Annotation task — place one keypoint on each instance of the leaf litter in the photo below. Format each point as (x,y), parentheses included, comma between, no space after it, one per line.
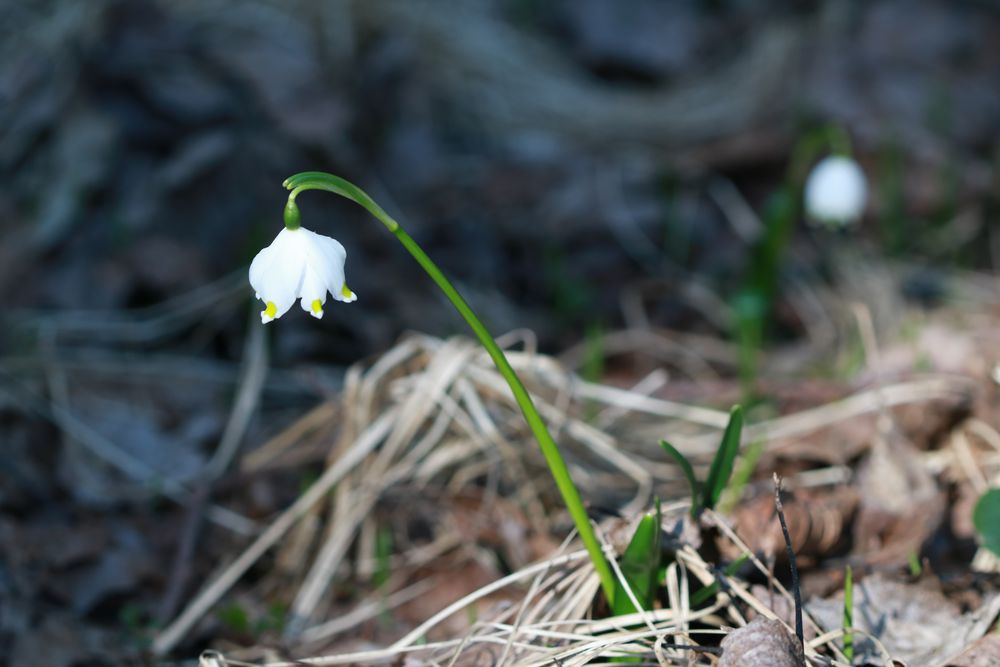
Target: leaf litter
(429,534)
(448,550)
(420,423)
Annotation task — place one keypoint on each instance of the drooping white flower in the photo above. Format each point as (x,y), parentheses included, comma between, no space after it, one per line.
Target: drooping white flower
(299,264)
(836,191)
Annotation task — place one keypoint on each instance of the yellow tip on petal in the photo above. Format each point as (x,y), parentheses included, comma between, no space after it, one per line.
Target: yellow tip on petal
(269,313)
(317,308)
(346,291)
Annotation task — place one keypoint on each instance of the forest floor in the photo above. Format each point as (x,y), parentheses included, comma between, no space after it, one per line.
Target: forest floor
(410,517)
(176,478)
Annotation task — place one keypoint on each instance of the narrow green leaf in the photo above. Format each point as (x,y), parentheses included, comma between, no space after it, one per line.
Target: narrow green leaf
(848,614)
(383,556)
(986,518)
(688,471)
(722,464)
(640,564)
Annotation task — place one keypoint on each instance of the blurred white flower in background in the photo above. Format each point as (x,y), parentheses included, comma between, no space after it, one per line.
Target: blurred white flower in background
(299,264)
(836,191)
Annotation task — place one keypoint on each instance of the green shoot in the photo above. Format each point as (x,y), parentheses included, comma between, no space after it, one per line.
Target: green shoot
(848,615)
(749,309)
(593,355)
(722,464)
(688,471)
(383,570)
(706,496)
(383,554)
(754,303)
(640,565)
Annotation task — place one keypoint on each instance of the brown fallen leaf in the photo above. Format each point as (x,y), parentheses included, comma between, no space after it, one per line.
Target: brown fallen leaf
(816,522)
(764,642)
(901,504)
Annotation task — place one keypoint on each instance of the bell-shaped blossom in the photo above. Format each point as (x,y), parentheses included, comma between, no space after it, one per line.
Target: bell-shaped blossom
(836,191)
(299,264)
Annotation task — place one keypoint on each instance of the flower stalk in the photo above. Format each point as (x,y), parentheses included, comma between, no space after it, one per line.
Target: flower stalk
(315,180)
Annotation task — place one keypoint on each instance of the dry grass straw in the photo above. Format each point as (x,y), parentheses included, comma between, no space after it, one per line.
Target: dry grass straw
(429,417)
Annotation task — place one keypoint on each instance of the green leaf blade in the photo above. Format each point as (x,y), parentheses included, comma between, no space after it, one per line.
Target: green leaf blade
(640,565)
(688,471)
(848,622)
(722,464)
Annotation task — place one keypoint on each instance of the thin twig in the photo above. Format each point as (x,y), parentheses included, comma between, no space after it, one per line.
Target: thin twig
(796,591)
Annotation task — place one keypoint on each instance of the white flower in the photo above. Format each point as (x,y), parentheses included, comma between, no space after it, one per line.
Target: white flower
(299,264)
(836,191)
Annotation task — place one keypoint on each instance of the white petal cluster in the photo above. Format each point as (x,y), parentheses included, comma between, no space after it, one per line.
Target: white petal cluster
(299,264)
(836,191)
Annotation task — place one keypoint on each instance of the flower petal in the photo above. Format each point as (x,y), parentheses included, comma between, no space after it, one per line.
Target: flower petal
(259,267)
(277,272)
(328,257)
(836,191)
(312,292)
(347,295)
(299,264)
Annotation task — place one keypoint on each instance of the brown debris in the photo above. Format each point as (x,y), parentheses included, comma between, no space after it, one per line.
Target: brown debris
(764,642)
(817,522)
(914,622)
(901,504)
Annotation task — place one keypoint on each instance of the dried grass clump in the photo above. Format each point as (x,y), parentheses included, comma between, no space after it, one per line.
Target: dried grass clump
(416,428)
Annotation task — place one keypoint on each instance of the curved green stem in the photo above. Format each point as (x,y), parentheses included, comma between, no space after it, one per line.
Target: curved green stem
(315,180)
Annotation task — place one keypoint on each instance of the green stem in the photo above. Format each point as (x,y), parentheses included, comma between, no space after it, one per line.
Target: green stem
(848,625)
(315,180)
